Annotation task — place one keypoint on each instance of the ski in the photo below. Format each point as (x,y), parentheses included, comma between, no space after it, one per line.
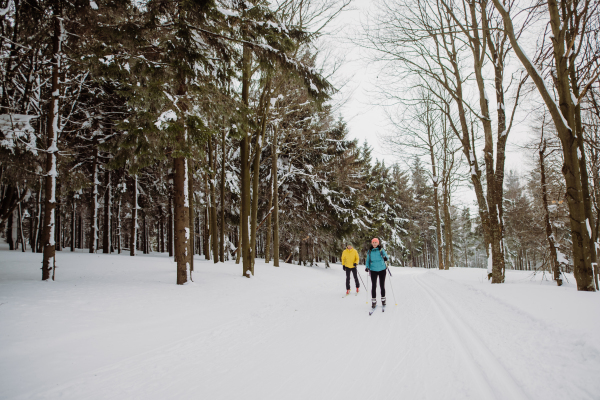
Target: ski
(346,295)
(382,308)
(373,310)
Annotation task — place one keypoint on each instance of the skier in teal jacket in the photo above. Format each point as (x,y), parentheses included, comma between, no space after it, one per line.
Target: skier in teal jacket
(376,258)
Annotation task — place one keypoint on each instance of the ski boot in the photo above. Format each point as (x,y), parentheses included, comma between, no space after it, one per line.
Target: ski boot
(373,303)
(383,301)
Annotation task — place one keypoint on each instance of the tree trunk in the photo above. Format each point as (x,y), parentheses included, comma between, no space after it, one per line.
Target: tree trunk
(106,240)
(245,223)
(222,241)
(73,222)
(191,212)
(182,230)
(58,230)
(134,224)
(49,261)
(119,227)
(275,190)
(161,228)
(214,235)
(170,225)
(94,201)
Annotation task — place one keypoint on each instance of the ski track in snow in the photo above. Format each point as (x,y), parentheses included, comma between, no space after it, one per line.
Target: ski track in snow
(124,330)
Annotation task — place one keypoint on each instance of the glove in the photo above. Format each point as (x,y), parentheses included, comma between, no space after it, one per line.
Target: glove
(367,270)
(384,258)
(355,264)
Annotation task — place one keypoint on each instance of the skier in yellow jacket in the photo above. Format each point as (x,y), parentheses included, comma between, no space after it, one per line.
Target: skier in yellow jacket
(350,261)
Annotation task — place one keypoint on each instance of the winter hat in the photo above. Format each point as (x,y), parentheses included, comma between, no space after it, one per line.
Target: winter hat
(349,244)
(375,241)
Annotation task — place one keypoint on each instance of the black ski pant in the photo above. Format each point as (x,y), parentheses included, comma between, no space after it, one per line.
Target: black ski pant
(348,277)
(374,275)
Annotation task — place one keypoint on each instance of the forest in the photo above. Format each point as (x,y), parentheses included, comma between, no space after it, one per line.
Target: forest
(212,128)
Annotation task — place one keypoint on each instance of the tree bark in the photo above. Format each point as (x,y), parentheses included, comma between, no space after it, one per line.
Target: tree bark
(73,222)
(214,232)
(222,241)
(182,230)
(106,240)
(134,224)
(245,223)
(94,201)
(191,212)
(49,261)
(275,191)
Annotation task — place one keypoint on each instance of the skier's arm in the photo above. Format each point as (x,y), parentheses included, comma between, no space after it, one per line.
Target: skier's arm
(356,259)
(384,255)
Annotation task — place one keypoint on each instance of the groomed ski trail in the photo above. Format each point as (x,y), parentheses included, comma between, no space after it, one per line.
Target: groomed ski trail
(116,329)
(489,375)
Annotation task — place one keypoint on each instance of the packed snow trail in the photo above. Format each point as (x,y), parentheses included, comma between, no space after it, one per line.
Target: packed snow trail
(116,327)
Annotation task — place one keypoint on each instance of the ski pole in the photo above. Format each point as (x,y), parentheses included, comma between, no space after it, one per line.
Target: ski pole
(363,282)
(391,285)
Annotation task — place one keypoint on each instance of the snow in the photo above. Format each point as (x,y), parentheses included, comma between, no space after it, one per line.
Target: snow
(113,326)
(490,263)
(164,118)
(93,5)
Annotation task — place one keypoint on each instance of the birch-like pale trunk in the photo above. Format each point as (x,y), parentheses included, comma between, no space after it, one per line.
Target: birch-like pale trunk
(52,128)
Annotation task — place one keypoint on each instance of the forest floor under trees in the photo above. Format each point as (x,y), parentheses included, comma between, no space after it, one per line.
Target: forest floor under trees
(117,327)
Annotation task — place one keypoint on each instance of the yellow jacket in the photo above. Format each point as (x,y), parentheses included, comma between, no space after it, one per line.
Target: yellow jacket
(349,258)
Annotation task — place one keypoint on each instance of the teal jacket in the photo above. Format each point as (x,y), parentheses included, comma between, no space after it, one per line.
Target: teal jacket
(375,259)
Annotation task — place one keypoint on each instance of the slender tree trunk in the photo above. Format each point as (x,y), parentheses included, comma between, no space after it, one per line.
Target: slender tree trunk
(134,212)
(207,231)
(214,233)
(119,227)
(161,228)
(245,223)
(21,230)
(268,227)
(222,241)
(73,222)
(49,261)
(275,191)
(191,212)
(106,240)
(94,201)
(170,225)
(548,226)
(38,222)
(58,230)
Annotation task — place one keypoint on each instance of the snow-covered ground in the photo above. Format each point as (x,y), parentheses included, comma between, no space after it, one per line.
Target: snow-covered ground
(117,327)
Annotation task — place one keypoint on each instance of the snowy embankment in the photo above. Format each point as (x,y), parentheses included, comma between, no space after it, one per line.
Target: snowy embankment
(117,327)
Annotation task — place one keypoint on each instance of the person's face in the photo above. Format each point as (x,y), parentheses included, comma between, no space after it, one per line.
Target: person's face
(349,247)
(375,242)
